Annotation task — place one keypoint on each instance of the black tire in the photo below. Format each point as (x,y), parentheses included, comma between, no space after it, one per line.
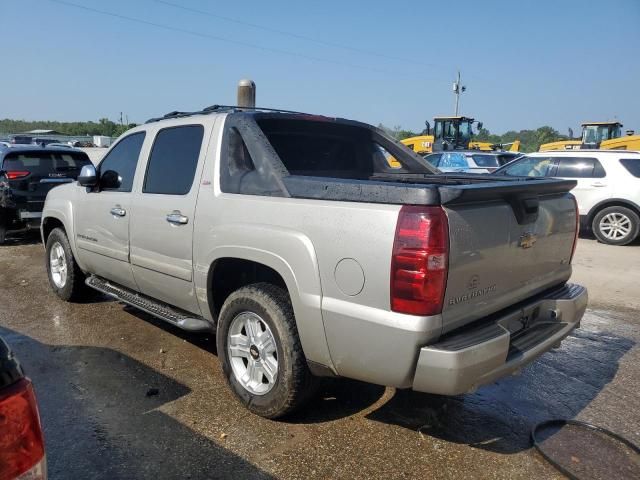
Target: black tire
(74,288)
(294,383)
(3,226)
(630,216)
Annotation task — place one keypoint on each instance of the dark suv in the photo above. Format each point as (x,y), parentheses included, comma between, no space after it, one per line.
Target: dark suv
(27,173)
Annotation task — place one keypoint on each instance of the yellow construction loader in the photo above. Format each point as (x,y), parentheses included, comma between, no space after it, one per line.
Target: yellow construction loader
(452,133)
(603,135)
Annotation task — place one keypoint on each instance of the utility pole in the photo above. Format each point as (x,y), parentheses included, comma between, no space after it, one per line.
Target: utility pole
(458,88)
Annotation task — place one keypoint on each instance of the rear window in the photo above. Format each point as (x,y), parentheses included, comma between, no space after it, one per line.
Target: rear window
(328,149)
(632,165)
(485,160)
(44,163)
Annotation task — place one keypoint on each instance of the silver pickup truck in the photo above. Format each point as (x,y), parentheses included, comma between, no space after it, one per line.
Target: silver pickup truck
(316,246)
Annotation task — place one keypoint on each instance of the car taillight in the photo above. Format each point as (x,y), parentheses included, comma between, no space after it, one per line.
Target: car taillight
(12,175)
(21,441)
(419,262)
(575,237)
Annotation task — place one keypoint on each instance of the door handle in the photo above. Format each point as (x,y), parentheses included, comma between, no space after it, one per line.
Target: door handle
(177,218)
(598,184)
(118,211)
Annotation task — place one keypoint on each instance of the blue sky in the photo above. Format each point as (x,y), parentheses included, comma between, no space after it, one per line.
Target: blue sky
(525,63)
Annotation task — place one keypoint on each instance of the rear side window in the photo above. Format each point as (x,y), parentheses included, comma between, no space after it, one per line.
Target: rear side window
(123,159)
(485,160)
(46,163)
(173,160)
(580,167)
(632,165)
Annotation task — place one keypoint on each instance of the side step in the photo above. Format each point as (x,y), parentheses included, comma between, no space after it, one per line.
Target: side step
(179,318)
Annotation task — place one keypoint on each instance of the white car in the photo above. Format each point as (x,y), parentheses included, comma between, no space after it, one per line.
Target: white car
(608,190)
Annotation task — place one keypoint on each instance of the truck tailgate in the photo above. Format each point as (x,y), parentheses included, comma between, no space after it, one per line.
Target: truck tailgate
(503,250)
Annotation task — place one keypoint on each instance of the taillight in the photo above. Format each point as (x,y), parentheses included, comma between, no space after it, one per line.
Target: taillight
(419,262)
(575,237)
(12,175)
(21,442)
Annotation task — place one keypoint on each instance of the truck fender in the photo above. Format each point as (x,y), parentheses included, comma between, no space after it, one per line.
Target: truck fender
(291,254)
(62,211)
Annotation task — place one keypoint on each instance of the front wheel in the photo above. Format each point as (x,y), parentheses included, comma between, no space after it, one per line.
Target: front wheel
(260,351)
(65,277)
(616,225)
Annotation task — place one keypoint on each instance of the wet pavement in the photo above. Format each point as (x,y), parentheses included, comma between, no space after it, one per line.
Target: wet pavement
(95,364)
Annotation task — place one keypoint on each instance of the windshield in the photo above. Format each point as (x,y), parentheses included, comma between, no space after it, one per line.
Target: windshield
(450,130)
(599,133)
(465,131)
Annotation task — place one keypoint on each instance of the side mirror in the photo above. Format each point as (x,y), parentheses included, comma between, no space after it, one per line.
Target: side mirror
(88,176)
(110,179)
(480,125)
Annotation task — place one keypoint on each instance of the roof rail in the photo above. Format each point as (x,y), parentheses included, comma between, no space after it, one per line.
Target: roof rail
(220,108)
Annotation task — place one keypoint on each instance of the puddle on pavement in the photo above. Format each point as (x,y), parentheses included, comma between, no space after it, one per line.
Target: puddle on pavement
(585,453)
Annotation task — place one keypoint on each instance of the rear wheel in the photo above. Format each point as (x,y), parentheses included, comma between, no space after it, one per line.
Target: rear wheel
(260,351)
(65,277)
(616,225)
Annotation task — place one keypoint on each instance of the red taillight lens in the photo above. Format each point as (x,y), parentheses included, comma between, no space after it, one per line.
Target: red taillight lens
(575,237)
(21,442)
(17,174)
(419,262)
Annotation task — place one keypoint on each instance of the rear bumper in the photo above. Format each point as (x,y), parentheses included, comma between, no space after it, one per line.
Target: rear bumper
(498,346)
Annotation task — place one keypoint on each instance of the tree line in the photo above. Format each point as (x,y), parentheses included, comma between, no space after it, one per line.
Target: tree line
(530,140)
(104,126)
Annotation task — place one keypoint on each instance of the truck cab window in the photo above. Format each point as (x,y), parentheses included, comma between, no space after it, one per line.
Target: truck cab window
(173,160)
(122,160)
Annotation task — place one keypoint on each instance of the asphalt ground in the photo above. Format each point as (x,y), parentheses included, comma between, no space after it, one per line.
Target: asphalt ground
(94,365)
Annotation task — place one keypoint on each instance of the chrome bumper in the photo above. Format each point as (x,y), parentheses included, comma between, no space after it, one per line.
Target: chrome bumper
(480,354)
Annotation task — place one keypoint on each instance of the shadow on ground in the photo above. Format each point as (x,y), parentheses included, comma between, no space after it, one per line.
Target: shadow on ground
(497,417)
(100,422)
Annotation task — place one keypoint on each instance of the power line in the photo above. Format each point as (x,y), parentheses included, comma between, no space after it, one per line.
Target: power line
(229,40)
(291,34)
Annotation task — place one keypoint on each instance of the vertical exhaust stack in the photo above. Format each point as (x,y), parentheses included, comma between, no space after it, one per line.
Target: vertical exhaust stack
(246,93)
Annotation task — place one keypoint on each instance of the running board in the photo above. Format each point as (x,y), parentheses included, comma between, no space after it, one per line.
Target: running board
(163,311)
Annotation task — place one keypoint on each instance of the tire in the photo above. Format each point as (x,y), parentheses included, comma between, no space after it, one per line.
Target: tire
(3,226)
(268,309)
(616,225)
(70,286)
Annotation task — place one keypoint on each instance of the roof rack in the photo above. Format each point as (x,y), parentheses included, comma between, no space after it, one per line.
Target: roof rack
(220,108)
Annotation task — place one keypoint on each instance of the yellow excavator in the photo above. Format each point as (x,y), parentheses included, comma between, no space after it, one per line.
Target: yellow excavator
(603,135)
(452,133)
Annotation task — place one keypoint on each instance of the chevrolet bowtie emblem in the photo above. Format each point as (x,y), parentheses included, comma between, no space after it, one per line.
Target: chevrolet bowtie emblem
(527,240)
